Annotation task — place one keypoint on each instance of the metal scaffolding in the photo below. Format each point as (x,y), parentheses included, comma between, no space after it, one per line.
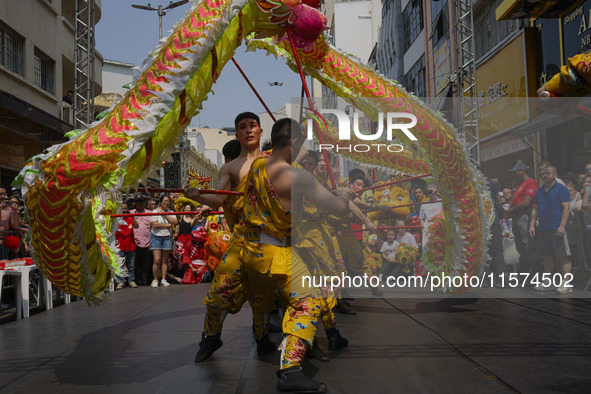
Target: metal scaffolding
(465,77)
(84,62)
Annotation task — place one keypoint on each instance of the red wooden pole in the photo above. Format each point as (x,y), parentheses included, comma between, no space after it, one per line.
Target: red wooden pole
(124,215)
(254,90)
(203,191)
(310,103)
(381,228)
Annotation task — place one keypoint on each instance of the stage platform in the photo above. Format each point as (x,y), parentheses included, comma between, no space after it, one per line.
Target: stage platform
(144,340)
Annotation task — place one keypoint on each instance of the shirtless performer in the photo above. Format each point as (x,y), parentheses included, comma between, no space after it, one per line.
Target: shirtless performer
(275,189)
(229,288)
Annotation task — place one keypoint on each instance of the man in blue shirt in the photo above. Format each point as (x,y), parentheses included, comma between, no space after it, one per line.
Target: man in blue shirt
(551,206)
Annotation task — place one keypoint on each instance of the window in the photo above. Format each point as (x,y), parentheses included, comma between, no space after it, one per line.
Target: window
(386,7)
(415,78)
(488,32)
(12,50)
(440,25)
(436,7)
(44,72)
(412,17)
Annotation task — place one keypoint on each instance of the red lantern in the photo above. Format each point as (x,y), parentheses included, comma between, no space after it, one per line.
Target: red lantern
(12,242)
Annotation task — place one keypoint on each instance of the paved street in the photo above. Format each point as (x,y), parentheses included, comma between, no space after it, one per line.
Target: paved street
(144,340)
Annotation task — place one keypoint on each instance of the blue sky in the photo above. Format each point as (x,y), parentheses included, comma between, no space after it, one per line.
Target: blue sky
(127,34)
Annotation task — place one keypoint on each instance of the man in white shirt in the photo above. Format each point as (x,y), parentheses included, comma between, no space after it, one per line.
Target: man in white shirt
(403,236)
(432,207)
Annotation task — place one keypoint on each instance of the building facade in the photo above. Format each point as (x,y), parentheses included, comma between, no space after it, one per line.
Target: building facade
(187,159)
(37,69)
(209,142)
(516,47)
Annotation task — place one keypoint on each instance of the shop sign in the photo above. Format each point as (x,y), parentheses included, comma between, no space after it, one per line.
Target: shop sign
(502,90)
(442,65)
(501,148)
(576,27)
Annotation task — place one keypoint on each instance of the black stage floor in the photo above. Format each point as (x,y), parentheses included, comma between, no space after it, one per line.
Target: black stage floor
(144,340)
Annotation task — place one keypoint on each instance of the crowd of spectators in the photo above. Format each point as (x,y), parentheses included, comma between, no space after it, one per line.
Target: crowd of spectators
(545,228)
(146,243)
(14,226)
(537,228)
(159,255)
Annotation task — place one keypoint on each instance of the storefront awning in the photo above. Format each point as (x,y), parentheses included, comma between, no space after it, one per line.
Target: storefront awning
(541,122)
(31,122)
(519,9)
(547,121)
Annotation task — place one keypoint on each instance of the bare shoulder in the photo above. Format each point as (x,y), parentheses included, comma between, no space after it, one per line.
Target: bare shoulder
(278,169)
(236,169)
(280,177)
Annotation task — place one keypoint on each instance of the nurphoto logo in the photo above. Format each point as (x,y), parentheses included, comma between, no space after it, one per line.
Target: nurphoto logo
(344,126)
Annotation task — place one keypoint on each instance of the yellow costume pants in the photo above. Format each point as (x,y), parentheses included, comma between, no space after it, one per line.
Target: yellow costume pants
(230,290)
(352,252)
(270,268)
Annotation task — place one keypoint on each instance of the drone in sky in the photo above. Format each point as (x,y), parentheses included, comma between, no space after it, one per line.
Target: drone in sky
(275,83)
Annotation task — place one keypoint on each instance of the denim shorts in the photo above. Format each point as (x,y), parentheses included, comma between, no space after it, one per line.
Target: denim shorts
(160,243)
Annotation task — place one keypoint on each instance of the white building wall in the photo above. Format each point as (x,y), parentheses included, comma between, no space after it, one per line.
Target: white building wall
(215,157)
(287,110)
(414,53)
(356,27)
(115,75)
(204,139)
(196,140)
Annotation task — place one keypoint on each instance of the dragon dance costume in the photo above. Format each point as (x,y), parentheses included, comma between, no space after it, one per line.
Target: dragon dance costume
(574,78)
(314,246)
(271,263)
(230,288)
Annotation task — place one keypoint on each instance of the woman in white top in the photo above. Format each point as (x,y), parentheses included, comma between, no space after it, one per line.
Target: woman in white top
(403,236)
(161,240)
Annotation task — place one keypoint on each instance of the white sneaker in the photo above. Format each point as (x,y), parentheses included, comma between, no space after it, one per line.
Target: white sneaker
(119,286)
(164,283)
(154,283)
(564,290)
(133,285)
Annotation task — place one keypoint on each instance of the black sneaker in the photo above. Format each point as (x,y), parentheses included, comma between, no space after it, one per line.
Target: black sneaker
(207,346)
(335,340)
(293,380)
(274,328)
(344,308)
(315,353)
(265,346)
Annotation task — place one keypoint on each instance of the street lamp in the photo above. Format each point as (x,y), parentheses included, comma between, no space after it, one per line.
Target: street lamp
(161,13)
(160,9)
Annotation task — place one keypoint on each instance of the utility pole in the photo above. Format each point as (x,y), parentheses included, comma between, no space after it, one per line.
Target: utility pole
(183,154)
(160,10)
